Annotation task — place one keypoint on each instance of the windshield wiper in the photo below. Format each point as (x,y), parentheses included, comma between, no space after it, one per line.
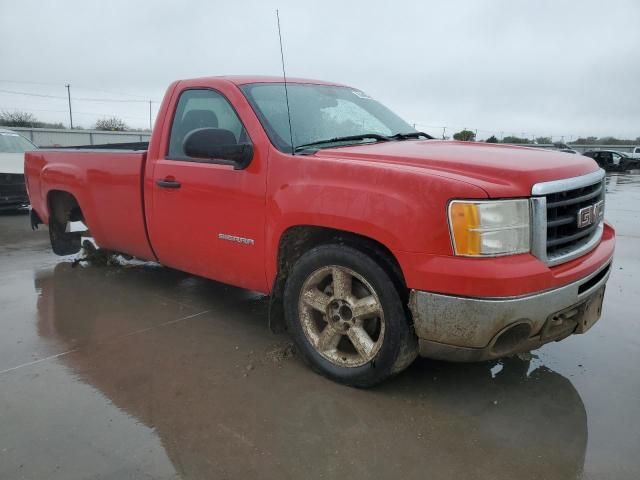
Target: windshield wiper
(375,136)
(405,136)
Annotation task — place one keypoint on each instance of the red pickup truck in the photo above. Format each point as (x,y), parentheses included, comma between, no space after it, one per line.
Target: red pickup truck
(375,242)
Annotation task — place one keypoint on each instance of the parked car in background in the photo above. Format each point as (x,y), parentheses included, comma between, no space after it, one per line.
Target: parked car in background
(13,193)
(611,160)
(635,153)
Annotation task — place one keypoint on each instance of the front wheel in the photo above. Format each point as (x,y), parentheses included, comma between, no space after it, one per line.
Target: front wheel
(346,316)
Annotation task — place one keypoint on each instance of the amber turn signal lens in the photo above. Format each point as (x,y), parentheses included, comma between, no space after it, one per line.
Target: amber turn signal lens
(465,221)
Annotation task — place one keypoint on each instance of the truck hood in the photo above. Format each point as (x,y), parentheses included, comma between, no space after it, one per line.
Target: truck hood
(12,163)
(501,170)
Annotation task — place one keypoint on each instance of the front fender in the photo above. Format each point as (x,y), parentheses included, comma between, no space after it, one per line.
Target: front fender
(404,209)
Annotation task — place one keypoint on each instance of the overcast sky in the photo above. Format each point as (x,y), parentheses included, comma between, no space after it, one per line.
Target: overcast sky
(562,68)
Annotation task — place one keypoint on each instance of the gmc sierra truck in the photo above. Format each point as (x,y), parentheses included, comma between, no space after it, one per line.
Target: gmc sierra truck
(375,242)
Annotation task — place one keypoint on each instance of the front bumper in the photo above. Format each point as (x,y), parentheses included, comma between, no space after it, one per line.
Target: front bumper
(13,191)
(474,329)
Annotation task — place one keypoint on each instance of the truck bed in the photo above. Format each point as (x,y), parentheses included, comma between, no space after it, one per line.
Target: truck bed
(107,183)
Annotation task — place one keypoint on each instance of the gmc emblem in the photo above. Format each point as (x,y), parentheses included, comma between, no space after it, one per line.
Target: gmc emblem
(591,214)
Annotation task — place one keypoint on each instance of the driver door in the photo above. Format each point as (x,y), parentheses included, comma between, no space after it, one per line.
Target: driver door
(208,219)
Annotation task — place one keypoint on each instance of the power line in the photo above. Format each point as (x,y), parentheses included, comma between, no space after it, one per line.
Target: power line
(76,86)
(84,99)
(29,82)
(37,110)
(31,94)
(112,92)
(115,100)
(88,99)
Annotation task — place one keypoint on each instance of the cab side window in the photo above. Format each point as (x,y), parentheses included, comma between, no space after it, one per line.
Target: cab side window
(201,108)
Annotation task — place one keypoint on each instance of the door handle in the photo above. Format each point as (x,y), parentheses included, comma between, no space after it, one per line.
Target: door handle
(168,183)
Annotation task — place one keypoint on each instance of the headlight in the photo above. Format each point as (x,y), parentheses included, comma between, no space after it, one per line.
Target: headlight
(490,227)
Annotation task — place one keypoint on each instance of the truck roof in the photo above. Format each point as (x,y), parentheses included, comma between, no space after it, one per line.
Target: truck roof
(245,79)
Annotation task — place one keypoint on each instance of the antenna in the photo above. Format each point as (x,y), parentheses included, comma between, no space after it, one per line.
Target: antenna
(286,92)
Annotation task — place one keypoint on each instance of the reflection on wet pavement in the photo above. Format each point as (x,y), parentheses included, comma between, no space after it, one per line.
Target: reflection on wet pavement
(117,372)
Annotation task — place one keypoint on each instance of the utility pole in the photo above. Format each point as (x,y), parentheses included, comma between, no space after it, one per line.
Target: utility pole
(444,132)
(69,97)
(150,127)
(501,136)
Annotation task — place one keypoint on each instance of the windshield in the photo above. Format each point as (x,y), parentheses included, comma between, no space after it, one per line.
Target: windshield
(14,143)
(320,112)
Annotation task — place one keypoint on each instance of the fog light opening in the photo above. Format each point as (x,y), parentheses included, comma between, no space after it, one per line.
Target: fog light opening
(509,339)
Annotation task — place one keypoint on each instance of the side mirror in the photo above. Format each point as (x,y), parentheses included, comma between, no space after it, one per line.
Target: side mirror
(218,144)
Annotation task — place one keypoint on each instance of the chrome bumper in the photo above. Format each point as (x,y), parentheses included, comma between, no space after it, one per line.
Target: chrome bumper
(474,329)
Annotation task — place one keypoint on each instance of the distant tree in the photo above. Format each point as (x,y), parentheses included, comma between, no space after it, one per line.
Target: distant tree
(17,119)
(616,141)
(513,139)
(586,141)
(24,119)
(112,124)
(492,139)
(543,140)
(465,136)
(57,125)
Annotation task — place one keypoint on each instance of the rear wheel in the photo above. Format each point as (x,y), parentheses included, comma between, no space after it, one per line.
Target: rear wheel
(63,209)
(346,316)
(63,242)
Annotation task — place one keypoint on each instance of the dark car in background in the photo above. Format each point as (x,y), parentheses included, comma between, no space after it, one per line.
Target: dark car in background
(569,150)
(612,160)
(13,193)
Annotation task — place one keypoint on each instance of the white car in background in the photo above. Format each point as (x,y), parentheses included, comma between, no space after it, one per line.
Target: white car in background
(13,193)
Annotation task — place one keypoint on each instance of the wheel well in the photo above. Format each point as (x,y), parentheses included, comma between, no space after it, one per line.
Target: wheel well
(63,207)
(297,240)
(300,239)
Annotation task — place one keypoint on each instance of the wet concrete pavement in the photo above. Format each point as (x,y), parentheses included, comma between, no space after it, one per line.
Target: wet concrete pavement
(145,372)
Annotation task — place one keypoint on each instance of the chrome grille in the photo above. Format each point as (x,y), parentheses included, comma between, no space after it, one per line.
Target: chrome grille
(563,231)
(556,205)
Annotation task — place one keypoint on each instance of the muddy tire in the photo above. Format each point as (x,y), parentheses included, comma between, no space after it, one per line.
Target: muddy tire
(346,317)
(63,243)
